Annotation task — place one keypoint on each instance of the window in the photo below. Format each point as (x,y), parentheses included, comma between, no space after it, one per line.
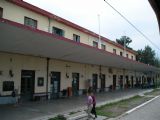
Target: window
(76,38)
(30,22)
(40,81)
(121,54)
(95,44)
(58,31)
(127,55)
(8,86)
(1,12)
(114,51)
(103,47)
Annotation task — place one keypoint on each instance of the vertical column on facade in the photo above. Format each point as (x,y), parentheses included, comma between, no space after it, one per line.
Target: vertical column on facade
(124,78)
(100,77)
(143,80)
(156,79)
(85,77)
(47,69)
(135,80)
(152,78)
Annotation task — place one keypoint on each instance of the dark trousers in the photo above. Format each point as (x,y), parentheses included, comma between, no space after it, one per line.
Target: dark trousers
(94,111)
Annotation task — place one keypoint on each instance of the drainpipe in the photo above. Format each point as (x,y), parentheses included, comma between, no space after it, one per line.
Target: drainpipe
(47,78)
(100,76)
(100,71)
(49,25)
(49,29)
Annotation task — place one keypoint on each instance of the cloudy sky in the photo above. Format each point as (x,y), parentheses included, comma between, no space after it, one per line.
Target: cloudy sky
(85,13)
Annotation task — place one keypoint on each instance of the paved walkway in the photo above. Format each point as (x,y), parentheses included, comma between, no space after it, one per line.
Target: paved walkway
(34,110)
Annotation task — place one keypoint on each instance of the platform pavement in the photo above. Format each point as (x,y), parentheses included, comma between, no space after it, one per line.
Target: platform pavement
(45,109)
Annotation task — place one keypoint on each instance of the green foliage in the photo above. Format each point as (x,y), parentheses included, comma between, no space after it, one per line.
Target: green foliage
(157,62)
(124,40)
(116,108)
(147,56)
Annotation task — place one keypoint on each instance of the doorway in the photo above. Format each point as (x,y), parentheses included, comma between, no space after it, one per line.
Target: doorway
(121,82)
(103,82)
(94,83)
(132,82)
(114,82)
(127,85)
(55,82)
(27,84)
(75,84)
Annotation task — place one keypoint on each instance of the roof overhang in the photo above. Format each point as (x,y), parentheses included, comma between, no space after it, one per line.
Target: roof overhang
(17,38)
(156,7)
(40,11)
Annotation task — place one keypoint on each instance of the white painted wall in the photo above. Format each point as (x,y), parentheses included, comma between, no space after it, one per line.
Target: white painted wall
(15,13)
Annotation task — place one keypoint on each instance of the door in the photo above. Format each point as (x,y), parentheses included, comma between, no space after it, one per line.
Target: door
(114,82)
(55,82)
(103,83)
(127,82)
(132,83)
(75,84)
(1,12)
(121,81)
(27,84)
(94,83)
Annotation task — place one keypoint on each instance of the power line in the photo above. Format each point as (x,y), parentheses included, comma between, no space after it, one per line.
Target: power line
(133,25)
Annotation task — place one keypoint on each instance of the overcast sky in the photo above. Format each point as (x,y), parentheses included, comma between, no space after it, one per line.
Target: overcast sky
(85,13)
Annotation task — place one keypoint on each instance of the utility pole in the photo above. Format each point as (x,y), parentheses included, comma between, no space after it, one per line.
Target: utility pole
(99,41)
(124,45)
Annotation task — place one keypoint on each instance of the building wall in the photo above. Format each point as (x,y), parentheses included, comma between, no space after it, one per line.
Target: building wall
(16,63)
(15,13)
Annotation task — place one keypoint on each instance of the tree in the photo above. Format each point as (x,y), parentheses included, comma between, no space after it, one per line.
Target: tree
(147,56)
(124,40)
(157,62)
(139,55)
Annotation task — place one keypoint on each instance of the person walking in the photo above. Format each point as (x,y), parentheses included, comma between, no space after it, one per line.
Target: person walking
(89,104)
(93,111)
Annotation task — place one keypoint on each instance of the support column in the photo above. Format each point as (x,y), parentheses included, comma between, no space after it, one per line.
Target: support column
(124,78)
(47,68)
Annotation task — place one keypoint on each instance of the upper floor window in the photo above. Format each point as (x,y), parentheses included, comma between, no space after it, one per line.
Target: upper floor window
(30,22)
(127,55)
(76,38)
(1,12)
(95,44)
(114,51)
(121,53)
(103,47)
(58,31)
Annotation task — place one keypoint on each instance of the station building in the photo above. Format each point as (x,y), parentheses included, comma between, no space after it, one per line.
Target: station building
(44,56)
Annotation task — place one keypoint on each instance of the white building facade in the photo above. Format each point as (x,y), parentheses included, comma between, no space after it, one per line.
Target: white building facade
(44,56)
